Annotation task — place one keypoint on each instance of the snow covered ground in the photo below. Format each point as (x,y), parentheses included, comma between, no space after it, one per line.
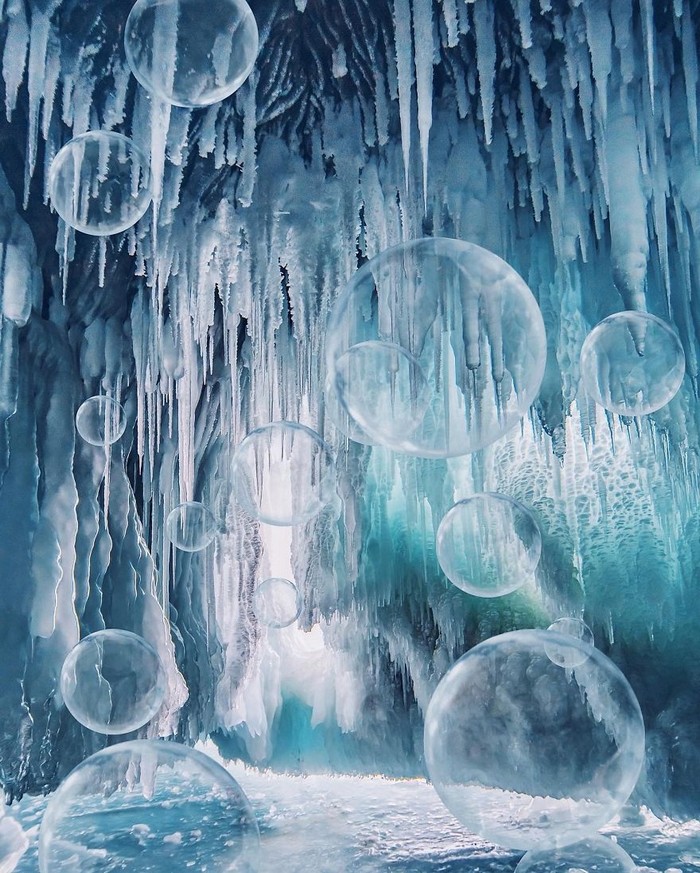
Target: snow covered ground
(333,824)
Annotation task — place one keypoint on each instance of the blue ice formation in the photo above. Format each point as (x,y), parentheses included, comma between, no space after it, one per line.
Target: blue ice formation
(563,138)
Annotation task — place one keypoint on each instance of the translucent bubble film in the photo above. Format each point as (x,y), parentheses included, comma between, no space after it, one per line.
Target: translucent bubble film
(350,434)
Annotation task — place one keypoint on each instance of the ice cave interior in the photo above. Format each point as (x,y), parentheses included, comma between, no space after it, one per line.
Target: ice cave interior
(349,435)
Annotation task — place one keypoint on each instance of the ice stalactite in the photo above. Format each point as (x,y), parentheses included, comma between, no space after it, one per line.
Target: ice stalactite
(564,137)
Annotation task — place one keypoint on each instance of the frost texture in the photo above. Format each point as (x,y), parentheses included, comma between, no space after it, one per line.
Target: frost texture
(564,138)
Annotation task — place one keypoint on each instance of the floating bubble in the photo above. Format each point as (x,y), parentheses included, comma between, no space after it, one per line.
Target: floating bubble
(277,603)
(191,527)
(632,363)
(488,545)
(464,320)
(528,755)
(283,473)
(191,52)
(100,183)
(573,627)
(372,377)
(593,855)
(151,806)
(100,420)
(113,682)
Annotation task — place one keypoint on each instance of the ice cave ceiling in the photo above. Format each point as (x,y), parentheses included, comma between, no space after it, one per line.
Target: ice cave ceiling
(561,135)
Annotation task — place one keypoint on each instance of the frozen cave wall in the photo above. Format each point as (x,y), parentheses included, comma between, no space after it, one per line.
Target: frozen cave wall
(561,135)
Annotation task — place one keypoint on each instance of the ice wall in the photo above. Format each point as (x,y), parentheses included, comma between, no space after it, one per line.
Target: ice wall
(561,135)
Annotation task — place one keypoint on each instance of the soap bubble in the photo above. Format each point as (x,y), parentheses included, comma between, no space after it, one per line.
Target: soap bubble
(191,52)
(151,806)
(488,545)
(632,363)
(100,183)
(113,682)
(593,855)
(372,377)
(283,473)
(191,527)
(473,342)
(526,754)
(276,602)
(573,627)
(100,420)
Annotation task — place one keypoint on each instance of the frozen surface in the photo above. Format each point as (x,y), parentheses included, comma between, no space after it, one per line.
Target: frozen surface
(334,824)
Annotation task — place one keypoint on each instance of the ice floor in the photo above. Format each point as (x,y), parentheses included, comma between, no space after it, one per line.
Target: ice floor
(335,824)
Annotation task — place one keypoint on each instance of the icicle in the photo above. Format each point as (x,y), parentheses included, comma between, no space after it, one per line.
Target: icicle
(486,61)
(404,68)
(599,34)
(14,57)
(525,22)
(690,70)
(38,46)
(423,50)
(627,207)
(249,150)
(647,10)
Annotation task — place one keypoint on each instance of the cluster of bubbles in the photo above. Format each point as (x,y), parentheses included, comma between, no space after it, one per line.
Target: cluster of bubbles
(184,52)
(149,805)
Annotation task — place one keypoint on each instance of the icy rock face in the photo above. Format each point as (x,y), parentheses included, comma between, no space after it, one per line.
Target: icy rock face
(561,136)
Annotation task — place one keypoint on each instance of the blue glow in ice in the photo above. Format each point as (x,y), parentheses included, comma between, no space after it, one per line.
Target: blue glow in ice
(488,545)
(150,806)
(113,682)
(529,755)
(468,326)
(191,52)
(100,183)
(632,363)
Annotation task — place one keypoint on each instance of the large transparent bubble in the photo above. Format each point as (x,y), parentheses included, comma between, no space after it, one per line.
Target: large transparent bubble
(190,526)
(191,52)
(152,807)
(100,420)
(100,183)
(113,682)
(632,363)
(488,545)
(528,754)
(277,602)
(593,855)
(283,473)
(472,343)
